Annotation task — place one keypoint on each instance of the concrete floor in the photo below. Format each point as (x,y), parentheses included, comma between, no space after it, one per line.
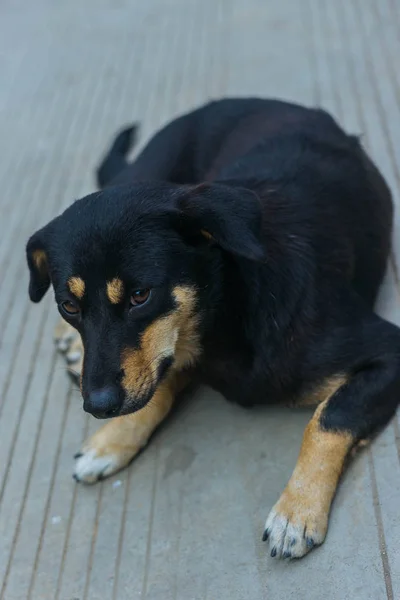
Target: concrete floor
(185,521)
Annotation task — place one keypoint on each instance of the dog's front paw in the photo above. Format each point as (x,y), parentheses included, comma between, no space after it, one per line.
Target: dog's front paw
(92,465)
(295,525)
(110,449)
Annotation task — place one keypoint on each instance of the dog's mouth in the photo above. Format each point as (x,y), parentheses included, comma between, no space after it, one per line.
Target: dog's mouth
(164,367)
(136,400)
(132,405)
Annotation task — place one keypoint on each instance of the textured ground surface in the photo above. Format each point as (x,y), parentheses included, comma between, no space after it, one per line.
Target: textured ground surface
(185,521)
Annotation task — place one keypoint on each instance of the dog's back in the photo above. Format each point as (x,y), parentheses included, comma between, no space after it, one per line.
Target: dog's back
(271,144)
(211,138)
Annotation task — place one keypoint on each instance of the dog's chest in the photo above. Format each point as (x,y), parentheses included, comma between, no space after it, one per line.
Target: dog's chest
(232,377)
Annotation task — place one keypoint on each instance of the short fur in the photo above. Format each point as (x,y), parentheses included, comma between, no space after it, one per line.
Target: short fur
(263,231)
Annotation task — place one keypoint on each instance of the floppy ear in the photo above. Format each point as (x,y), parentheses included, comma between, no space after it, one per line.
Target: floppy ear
(38,266)
(230,216)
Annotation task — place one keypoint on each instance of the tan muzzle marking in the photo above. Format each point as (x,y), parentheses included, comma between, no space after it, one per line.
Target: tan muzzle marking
(174,335)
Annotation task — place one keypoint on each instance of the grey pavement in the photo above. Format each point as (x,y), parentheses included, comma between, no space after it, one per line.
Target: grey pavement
(184,522)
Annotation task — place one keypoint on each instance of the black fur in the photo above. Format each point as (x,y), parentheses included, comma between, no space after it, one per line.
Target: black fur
(115,159)
(300,220)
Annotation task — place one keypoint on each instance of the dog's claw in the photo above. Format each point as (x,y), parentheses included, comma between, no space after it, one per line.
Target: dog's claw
(265,535)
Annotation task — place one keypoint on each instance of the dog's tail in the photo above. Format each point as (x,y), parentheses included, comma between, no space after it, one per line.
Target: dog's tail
(115,159)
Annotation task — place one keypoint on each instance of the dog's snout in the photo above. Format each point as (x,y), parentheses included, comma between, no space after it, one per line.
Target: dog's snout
(103,403)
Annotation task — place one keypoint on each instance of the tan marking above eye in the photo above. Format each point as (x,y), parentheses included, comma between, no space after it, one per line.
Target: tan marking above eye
(76,286)
(115,290)
(175,334)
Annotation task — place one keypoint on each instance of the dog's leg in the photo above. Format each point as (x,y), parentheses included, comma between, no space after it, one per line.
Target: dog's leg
(64,335)
(299,520)
(69,343)
(114,445)
(355,411)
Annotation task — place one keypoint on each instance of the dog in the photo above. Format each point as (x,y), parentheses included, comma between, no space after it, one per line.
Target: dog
(243,248)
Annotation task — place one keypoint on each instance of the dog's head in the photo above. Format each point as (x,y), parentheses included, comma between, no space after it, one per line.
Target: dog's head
(131,268)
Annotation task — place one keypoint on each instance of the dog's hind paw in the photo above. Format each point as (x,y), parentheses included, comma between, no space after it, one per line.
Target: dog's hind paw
(64,335)
(74,358)
(69,343)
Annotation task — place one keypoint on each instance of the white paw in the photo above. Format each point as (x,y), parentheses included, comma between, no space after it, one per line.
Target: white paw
(64,335)
(293,533)
(74,357)
(64,343)
(75,352)
(89,467)
(69,343)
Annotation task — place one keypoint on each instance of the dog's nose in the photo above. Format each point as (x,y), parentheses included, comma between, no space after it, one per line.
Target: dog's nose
(103,403)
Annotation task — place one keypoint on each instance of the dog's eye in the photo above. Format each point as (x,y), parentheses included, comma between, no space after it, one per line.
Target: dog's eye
(69,308)
(139,297)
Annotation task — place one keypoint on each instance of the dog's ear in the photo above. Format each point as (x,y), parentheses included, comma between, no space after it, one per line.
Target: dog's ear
(230,216)
(36,255)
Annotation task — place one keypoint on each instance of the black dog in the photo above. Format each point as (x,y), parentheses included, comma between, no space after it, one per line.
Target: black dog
(244,247)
